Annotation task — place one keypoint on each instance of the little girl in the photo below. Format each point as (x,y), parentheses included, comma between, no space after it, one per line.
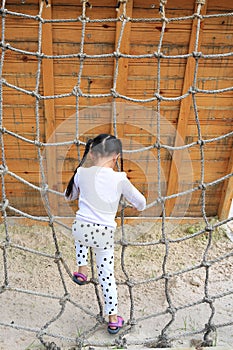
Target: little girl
(99,189)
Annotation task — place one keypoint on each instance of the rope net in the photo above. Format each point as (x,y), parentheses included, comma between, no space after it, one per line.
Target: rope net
(49,252)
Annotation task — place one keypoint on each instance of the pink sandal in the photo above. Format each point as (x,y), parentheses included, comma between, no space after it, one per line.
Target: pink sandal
(77,275)
(118,325)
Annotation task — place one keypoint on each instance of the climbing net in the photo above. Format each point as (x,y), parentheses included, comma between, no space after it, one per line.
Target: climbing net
(163,317)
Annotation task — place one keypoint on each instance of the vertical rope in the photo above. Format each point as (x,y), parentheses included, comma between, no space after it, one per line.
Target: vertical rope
(3,167)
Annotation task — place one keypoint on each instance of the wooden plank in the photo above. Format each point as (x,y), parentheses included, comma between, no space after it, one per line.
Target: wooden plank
(122,78)
(48,88)
(227,192)
(183,116)
(215,111)
(48,74)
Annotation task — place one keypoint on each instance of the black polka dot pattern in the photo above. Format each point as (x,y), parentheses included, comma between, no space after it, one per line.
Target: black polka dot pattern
(93,235)
(105,268)
(81,254)
(101,239)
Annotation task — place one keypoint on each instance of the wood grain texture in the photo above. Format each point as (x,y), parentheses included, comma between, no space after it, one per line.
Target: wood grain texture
(137,78)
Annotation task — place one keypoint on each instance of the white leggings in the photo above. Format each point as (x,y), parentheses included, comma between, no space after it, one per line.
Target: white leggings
(101,239)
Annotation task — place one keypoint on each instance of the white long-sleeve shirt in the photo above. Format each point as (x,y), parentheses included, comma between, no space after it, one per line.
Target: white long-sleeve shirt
(99,190)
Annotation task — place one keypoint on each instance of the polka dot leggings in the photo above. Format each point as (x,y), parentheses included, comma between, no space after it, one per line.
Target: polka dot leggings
(101,239)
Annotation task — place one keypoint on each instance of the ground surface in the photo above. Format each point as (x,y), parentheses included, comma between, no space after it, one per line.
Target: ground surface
(35,299)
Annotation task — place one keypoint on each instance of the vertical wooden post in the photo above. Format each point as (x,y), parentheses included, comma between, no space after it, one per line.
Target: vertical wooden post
(183,117)
(227,193)
(124,48)
(122,77)
(48,88)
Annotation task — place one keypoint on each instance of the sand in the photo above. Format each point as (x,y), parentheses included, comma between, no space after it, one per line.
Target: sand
(41,301)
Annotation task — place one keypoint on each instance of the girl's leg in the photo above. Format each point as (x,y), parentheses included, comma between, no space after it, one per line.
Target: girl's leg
(105,268)
(81,258)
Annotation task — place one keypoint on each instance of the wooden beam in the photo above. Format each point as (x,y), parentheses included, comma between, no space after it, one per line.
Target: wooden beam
(183,117)
(47,71)
(48,88)
(122,78)
(227,193)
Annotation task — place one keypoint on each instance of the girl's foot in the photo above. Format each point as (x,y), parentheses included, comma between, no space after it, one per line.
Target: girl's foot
(114,327)
(80,277)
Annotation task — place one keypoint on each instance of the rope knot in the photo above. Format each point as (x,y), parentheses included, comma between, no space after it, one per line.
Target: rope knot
(205,264)
(207,300)
(44,189)
(64,299)
(82,56)
(39,18)
(5,46)
(117,54)
(36,95)
(158,54)
(157,145)
(198,16)
(3,169)
(161,200)
(158,96)
(114,93)
(58,257)
(200,142)
(3,12)
(47,3)
(4,204)
(209,228)
(130,283)
(100,318)
(77,142)
(163,342)
(38,143)
(79,343)
(77,91)
(132,322)
(171,310)
(121,342)
(2,130)
(192,90)
(124,243)
(197,54)
(94,281)
(210,330)
(119,4)
(164,19)
(202,187)
(87,3)
(51,221)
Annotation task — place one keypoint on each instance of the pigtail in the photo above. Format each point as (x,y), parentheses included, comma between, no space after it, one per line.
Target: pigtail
(69,188)
(122,161)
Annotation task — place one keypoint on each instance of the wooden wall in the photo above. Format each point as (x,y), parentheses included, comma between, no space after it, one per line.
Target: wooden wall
(137,78)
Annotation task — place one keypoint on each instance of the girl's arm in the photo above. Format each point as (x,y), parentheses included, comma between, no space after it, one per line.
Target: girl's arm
(132,195)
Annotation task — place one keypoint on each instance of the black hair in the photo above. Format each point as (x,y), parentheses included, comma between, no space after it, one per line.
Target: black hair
(103,145)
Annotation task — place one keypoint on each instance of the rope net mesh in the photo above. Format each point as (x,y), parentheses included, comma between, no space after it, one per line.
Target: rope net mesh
(50,248)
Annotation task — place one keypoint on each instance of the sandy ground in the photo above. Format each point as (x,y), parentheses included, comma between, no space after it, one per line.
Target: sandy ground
(37,299)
